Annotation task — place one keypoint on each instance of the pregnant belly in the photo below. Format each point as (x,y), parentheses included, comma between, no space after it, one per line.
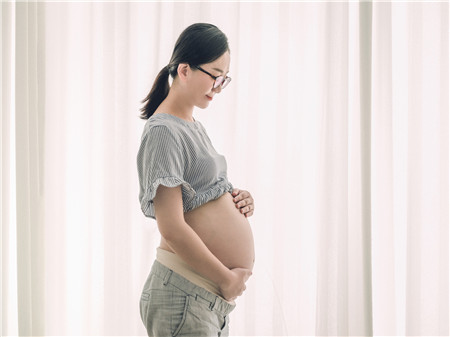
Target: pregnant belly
(224,230)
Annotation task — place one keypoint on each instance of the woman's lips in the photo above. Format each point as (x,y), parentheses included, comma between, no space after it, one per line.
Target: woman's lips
(210,98)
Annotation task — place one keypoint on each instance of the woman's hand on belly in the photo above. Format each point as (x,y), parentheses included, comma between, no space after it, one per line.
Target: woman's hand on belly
(234,285)
(243,201)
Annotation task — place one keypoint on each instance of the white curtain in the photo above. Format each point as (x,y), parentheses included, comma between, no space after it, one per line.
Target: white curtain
(336,120)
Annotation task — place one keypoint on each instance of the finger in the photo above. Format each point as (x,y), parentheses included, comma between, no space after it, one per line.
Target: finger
(237,198)
(242,194)
(235,191)
(242,203)
(245,194)
(246,209)
(245,201)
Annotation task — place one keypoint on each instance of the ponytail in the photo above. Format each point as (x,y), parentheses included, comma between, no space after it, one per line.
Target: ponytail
(159,92)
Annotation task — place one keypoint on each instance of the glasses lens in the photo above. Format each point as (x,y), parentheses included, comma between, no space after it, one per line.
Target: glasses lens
(222,81)
(218,81)
(226,82)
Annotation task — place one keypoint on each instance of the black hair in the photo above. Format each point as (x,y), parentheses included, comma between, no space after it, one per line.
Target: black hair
(198,44)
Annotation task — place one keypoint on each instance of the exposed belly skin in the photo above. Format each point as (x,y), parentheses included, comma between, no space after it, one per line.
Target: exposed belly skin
(224,230)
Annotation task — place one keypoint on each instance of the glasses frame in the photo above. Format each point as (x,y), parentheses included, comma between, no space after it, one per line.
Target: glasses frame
(226,79)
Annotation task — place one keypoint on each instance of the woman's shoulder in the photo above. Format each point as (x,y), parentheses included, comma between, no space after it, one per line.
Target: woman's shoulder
(174,122)
(162,119)
(165,124)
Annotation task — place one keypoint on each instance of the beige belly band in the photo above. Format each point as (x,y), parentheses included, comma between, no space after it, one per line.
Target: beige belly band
(174,262)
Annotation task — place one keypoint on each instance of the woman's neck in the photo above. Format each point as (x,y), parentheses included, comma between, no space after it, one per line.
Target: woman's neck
(173,104)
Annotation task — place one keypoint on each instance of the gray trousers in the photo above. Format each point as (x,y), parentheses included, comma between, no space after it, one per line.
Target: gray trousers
(171,305)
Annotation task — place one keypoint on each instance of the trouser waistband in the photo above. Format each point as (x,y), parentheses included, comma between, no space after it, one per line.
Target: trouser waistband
(169,276)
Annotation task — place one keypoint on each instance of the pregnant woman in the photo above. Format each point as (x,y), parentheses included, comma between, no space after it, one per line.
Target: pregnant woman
(206,252)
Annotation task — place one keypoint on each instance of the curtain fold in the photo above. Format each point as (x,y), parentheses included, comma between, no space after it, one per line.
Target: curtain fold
(336,121)
(427,223)
(23,265)
(344,291)
(29,153)
(8,321)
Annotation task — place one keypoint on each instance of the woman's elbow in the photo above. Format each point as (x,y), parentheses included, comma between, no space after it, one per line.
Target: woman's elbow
(170,230)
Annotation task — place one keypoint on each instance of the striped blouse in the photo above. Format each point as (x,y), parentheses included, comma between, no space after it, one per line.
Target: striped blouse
(176,152)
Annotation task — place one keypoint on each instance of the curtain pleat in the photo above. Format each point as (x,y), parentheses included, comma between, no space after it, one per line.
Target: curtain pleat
(8,293)
(29,154)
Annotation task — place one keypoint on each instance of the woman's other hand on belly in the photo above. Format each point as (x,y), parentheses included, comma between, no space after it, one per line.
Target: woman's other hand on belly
(243,201)
(234,285)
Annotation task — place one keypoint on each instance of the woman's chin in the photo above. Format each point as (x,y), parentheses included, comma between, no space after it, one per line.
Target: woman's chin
(203,105)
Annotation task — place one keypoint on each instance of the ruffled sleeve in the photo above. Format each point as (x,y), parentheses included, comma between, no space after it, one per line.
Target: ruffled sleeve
(161,161)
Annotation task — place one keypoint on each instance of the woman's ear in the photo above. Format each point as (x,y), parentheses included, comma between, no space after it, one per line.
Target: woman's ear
(183,71)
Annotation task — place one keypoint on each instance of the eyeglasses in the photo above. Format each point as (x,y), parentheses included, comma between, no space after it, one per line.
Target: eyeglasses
(219,80)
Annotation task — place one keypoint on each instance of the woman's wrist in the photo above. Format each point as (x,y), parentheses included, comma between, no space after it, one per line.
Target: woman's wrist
(224,278)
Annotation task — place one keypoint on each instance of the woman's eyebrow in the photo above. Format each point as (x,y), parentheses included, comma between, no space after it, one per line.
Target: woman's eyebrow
(220,70)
